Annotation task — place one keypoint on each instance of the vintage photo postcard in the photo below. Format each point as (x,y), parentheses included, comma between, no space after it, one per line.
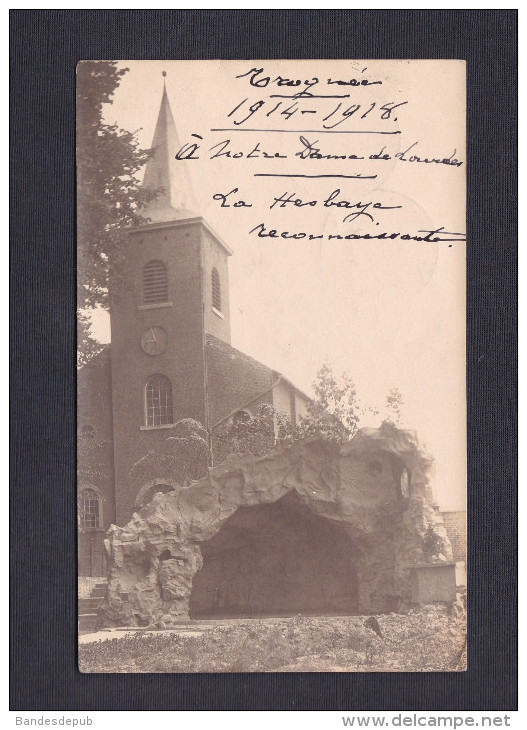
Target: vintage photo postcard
(271,381)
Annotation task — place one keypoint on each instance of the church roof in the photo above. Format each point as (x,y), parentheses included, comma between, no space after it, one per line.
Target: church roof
(237,381)
(220,350)
(176,200)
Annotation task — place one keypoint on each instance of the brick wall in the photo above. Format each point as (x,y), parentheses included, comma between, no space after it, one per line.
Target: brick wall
(178,245)
(215,256)
(94,395)
(95,458)
(456,527)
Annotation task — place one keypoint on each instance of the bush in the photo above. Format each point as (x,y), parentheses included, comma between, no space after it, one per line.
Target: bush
(431,639)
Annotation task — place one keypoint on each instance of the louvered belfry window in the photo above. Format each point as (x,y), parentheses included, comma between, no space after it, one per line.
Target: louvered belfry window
(158,401)
(216,290)
(155,283)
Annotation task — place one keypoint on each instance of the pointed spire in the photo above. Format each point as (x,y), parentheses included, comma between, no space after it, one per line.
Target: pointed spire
(176,201)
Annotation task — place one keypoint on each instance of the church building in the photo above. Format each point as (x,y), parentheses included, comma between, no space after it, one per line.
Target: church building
(170,356)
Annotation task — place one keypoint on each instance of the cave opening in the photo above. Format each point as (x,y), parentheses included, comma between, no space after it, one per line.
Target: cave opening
(277,559)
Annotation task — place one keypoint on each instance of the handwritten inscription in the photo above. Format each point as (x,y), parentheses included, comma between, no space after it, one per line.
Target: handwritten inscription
(334,199)
(309,149)
(358,129)
(258,78)
(338,114)
(436,236)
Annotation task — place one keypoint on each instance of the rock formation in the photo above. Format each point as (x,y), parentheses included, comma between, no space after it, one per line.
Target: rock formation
(315,527)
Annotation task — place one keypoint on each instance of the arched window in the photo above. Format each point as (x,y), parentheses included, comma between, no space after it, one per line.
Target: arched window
(155,283)
(216,290)
(90,509)
(158,401)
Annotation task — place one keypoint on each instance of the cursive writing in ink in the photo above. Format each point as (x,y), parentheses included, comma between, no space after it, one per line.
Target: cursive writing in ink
(224,204)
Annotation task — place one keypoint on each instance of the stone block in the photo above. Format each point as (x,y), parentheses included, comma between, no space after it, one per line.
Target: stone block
(434,583)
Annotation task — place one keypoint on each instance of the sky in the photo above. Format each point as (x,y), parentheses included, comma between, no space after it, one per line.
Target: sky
(390,313)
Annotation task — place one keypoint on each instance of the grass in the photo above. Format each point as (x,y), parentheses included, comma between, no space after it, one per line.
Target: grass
(429,639)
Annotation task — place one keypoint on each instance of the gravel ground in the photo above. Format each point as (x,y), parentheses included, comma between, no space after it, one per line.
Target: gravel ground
(432,638)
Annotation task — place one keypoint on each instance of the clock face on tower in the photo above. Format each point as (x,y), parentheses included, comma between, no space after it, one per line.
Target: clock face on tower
(154,340)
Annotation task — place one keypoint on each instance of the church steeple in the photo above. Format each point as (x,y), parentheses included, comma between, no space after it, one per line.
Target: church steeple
(176,201)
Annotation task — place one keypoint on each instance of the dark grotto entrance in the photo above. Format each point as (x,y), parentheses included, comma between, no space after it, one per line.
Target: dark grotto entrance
(276,559)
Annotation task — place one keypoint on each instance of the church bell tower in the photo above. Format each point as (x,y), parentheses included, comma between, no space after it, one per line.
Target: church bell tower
(173,289)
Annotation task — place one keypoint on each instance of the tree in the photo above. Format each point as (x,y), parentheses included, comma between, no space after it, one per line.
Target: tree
(394,402)
(181,458)
(253,434)
(333,414)
(108,192)
(335,411)
(88,346)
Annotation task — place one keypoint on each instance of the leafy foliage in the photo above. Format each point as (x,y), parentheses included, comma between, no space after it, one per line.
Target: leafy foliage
(253,434)
(108,192)
(333,414)
(429,639)
(182,457)
(432,543)
(338,398)
(394,402)
(89,347)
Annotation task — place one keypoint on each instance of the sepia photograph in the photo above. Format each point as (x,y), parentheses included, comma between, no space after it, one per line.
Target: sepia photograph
(271,307)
